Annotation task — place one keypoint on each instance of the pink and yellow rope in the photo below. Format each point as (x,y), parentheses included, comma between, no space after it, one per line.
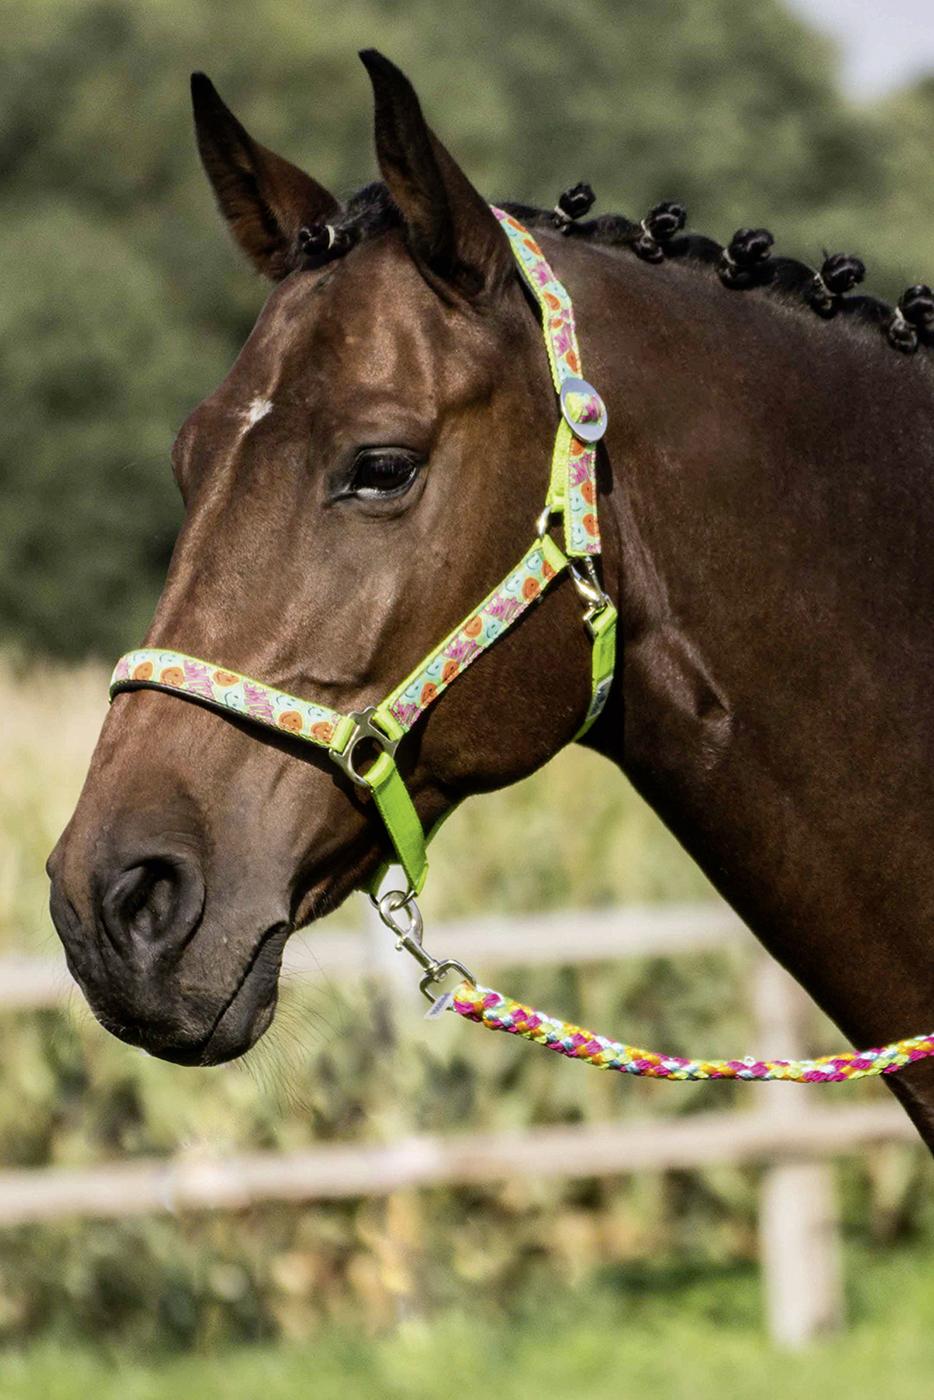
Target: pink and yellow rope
(499,1013)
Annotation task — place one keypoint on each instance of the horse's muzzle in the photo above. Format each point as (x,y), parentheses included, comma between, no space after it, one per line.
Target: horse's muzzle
(155,970)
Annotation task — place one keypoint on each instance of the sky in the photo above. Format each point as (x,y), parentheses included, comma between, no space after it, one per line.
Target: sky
(883,43)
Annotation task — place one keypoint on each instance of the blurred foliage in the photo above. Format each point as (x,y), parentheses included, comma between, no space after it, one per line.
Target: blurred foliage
(122,304)
(361,1066)
(657,1334)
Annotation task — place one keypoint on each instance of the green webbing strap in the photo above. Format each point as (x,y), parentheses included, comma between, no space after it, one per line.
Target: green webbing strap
(401,820)
(602,663)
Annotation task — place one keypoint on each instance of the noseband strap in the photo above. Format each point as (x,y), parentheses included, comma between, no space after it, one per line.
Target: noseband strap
(350,739)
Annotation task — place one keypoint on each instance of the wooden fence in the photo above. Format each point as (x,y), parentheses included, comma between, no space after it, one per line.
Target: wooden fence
(787,1129)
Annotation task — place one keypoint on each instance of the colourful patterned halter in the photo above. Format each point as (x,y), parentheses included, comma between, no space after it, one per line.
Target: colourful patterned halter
(572,496)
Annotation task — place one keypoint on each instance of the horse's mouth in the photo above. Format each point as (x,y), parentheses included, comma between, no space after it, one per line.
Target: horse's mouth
(243,1017)
(249,1010)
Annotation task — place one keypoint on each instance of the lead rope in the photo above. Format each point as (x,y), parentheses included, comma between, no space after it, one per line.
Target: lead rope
(501,1013)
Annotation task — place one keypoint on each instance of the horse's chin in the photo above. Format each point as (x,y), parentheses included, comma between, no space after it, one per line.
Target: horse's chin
(234,1034)
(249,1012)
(188,1028)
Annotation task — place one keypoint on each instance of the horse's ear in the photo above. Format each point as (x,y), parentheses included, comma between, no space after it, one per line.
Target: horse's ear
(265,199)
(451,232)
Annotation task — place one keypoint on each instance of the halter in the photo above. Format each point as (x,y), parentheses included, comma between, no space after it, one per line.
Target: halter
(572,496)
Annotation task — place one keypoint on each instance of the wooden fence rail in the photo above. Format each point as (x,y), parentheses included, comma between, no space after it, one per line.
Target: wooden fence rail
(786,1128)
(579,937)
(201,1181)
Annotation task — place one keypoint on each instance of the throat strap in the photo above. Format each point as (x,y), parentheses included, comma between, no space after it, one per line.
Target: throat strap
(349,739)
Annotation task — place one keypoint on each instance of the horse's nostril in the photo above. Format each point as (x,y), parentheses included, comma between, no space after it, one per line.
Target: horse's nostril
(153,904)
(146,898)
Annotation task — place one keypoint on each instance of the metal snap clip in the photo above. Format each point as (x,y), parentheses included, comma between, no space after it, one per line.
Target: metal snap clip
(408,933)
(589,589)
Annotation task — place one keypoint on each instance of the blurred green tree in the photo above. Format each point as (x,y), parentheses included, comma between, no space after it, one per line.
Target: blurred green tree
(121,304)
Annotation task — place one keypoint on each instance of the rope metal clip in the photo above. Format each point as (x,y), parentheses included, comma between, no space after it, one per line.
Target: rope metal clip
(408,934)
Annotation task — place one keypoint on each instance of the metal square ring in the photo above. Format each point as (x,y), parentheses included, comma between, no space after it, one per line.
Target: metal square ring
(364,728)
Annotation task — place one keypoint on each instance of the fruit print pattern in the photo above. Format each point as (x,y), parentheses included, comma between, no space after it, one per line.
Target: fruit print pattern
(497,613)
(579,496)
(224,690)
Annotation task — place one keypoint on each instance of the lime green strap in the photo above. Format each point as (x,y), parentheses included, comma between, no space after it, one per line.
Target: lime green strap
(602,664)
(400,818)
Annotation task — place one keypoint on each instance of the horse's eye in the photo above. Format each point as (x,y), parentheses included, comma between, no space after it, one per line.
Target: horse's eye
(383,471)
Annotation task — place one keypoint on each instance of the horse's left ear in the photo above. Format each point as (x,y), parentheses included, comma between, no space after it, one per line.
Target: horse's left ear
(451,232)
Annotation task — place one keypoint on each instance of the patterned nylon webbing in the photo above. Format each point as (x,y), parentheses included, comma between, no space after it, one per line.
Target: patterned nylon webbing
(573,488)
(157,668)
(495,615)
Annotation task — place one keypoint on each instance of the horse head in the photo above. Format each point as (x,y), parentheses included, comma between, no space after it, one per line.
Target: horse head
(370,467)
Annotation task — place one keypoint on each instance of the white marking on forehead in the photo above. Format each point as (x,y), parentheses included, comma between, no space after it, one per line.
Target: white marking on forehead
(257,409)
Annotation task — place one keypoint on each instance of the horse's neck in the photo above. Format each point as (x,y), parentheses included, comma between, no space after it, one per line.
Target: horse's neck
(769,526)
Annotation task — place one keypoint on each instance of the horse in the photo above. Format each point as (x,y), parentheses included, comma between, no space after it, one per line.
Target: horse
(374,462)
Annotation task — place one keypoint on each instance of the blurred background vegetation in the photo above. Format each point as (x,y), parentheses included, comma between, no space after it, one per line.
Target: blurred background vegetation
(123,302)
(121,305)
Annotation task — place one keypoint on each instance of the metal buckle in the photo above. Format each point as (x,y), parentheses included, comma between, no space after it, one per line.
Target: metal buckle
(364,728)
(589,589)
(587,432)
(409,939)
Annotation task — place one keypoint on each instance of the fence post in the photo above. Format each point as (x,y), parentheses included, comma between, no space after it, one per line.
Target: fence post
(394,1247)
(798,1237)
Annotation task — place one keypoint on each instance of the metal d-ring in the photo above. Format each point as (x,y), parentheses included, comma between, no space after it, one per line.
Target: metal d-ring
(364,728)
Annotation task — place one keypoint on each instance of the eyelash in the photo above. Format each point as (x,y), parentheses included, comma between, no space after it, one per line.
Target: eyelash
(385,462)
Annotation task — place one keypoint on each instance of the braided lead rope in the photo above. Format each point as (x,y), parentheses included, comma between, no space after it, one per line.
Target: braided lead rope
(499,1013)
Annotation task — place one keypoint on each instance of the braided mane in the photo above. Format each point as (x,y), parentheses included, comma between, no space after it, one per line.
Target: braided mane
(745,263)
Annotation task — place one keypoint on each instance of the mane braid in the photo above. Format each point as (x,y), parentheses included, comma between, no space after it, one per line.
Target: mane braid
(745,264)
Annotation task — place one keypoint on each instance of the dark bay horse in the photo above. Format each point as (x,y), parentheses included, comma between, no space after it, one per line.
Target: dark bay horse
(371,467)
